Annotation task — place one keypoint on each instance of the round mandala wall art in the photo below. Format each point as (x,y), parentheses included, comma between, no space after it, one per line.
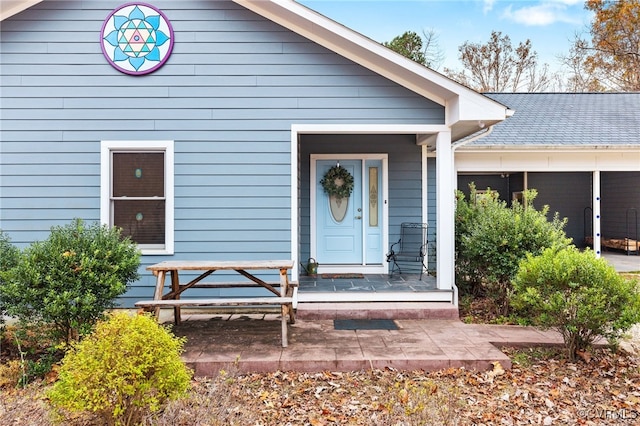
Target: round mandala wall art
(136,38)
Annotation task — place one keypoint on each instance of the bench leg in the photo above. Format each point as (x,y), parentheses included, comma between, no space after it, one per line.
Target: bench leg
(157,295)
(175,286)
(292,315)
(283,311)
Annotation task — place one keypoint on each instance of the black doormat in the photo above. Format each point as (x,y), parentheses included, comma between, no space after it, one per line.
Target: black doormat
(364,324)
(339,276)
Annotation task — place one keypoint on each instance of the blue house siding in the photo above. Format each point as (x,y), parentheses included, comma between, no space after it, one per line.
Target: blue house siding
(43,181)
(227,97)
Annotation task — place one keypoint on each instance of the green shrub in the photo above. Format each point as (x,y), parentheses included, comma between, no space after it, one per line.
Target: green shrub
(127,367)
(70,279)
(468,280)
(577,294)
(9,255)
(492,239)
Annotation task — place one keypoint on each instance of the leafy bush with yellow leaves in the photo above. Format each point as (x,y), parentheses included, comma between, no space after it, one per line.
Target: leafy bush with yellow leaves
(129,366)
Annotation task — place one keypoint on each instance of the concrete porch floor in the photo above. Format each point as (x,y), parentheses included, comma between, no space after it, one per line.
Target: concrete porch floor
(622,262)
(371,283)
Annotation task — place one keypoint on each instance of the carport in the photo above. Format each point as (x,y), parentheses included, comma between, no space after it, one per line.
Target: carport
(580,151)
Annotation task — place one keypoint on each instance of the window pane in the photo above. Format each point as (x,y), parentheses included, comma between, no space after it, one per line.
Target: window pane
(138,174)
(373,196)
(142,220)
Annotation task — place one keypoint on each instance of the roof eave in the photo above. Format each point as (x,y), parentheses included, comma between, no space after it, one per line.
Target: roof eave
(8,8)
(530,148)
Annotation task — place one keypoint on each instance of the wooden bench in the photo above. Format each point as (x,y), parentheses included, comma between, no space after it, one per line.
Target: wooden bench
(245,284)
(286,304)
(221,301)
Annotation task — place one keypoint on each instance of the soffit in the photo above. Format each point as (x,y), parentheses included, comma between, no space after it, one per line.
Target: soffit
(9,8)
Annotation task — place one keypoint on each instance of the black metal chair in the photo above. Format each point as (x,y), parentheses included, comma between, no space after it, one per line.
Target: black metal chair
(411,247)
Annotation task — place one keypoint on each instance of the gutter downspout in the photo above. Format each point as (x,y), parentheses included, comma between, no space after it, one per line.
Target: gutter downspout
(454,146)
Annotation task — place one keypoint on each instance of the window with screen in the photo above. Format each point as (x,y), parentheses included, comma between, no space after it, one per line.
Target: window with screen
(140,194)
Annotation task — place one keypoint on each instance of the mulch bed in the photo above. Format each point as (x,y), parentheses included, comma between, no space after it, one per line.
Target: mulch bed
(541,388)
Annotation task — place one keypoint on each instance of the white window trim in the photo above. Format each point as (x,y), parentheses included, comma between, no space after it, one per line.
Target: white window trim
(105,185)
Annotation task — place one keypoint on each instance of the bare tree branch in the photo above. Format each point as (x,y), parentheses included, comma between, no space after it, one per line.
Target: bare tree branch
(497,67)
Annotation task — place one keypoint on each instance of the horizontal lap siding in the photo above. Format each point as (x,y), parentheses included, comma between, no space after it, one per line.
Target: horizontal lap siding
(234,85)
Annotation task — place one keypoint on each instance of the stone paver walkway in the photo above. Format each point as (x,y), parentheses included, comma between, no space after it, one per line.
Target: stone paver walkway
(429,335)
(251,343)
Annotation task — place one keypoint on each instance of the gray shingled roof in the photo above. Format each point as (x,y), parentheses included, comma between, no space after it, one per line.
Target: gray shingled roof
(566,119)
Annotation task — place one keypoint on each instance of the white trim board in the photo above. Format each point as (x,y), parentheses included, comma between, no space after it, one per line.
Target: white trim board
(106,146)
(345,296)
(547,161)
(381,268)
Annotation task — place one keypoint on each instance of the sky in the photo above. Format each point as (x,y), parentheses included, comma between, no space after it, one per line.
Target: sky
(549,24)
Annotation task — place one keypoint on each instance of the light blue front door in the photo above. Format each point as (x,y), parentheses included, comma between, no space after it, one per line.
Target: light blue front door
(351,234)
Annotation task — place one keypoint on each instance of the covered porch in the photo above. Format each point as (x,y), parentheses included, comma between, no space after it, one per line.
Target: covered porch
(413,169)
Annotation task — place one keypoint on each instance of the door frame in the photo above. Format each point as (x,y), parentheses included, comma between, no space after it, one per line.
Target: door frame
(377,268)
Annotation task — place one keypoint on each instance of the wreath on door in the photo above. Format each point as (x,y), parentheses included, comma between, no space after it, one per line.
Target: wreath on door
(337,182)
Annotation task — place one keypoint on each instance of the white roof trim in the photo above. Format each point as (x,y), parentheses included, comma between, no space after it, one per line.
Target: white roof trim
(9,8)
(462,103)
(547,147)
(427,129)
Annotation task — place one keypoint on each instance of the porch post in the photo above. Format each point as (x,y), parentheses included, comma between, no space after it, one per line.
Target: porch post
(596,231)
(445,211)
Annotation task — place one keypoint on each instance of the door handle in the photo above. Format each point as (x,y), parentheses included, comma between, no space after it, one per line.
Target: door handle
(358,217)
